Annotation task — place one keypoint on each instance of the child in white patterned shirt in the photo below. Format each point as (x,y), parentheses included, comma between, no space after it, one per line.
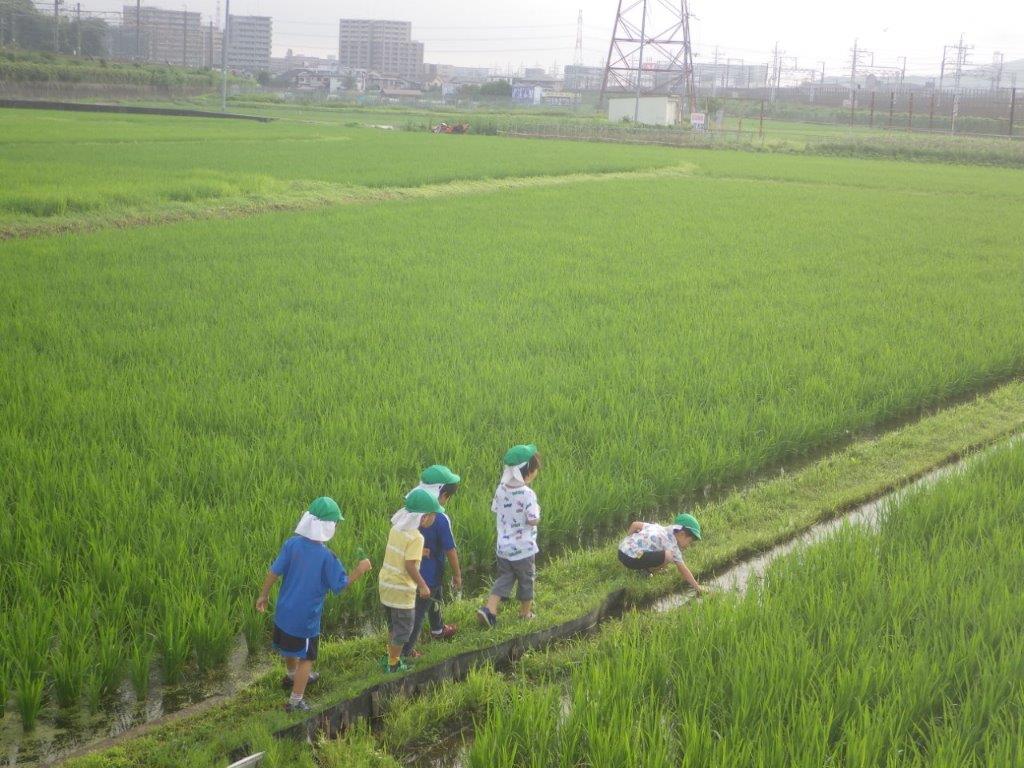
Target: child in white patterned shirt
(517,515)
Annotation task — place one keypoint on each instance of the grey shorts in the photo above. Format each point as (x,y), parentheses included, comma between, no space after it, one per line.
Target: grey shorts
(520,572)
(400,621)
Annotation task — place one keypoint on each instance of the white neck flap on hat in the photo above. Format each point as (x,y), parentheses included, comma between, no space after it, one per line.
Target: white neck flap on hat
(404,520)
(314,528)
(512,477)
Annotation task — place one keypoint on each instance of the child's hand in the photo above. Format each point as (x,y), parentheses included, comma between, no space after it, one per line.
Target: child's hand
(261,604)
(424,591)
(457,582)
(363,566)
(426,551)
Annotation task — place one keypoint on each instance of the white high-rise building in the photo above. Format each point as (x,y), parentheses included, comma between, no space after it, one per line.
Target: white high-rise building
(249,43)
(383,47)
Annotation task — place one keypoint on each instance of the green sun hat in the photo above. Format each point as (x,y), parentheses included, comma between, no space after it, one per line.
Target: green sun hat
(689,524)
(325,508)
(423,503)
(519,454)
(439,474)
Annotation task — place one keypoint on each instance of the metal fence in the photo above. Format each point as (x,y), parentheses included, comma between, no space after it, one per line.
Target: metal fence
(978,112)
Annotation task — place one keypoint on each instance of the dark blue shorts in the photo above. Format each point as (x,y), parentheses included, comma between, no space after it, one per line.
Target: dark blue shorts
(645,562)
(304,648)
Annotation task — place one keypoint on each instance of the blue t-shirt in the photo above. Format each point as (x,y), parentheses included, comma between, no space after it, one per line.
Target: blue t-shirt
(438,539)
(309,570)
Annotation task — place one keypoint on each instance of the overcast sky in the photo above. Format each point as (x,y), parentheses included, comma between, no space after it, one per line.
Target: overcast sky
(542,32)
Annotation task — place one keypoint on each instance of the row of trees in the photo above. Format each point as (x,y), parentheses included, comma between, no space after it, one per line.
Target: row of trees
(24,26)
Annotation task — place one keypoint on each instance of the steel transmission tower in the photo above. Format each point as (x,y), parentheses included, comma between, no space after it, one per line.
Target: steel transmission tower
(650,51)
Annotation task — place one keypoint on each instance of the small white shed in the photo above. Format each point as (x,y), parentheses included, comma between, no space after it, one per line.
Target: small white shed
(653,110)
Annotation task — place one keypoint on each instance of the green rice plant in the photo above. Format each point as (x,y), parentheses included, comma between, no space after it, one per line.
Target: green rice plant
(896,647)
(5,685)
(143,651)
(254,628)
(69,669)
(174,640)
(214,633)
(29,698)
(109,657)
(94,692)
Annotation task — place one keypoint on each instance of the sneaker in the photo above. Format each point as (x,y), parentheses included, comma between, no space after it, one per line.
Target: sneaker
(486,618)
(287,683)
(297,706)
(400,667)
(446,633)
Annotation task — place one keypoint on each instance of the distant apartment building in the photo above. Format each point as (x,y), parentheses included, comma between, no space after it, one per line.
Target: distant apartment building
(249,42)
(383,47)
(291,61)
(581,78)
(177,38)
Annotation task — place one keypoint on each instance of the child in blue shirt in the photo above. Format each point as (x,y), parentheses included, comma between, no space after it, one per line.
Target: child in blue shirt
(310,570)
(438,547)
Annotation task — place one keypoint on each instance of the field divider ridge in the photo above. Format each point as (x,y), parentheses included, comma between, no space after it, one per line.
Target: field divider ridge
(304,195)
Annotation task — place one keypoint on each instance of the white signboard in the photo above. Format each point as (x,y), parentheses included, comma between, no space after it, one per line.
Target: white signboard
(697,120)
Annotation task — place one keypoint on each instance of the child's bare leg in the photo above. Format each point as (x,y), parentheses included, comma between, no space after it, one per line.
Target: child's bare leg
(525,607)
(492,604)
(302,670)
(291,664)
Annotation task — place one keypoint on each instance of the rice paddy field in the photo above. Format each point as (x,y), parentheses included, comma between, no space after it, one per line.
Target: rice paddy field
(204,325)
(900,646)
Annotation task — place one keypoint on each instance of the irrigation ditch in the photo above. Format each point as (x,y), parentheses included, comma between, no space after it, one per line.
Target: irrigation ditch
(370,704)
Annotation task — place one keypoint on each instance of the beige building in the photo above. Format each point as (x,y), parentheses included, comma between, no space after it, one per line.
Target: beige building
(383,47)
(177,38)
(249,42)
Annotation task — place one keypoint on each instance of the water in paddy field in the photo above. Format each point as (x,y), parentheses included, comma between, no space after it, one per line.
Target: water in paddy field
(452,752)
(752,571)
(60,733)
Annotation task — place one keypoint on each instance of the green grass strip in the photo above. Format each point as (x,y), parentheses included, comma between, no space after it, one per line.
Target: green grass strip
(578,582)
(238,200)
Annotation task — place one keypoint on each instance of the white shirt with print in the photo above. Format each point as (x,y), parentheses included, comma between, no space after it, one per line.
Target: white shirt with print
(515,509)
(652,538)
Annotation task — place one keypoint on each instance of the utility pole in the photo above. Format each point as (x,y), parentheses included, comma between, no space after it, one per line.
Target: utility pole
(578,57)
(857,54)
(184,37)
(961,60)
(78,25)
(714,77)
(773,79)
(1013,106)
(56,26)
(138,29)
(822,72)
(903,69)
(224,57)
(853,80)
(997,67)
